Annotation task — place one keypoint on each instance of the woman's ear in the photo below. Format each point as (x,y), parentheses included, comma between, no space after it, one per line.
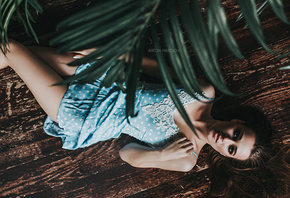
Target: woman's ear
(238,121)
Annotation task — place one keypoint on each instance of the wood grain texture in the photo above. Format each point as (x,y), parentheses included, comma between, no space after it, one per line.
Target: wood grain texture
(33,164)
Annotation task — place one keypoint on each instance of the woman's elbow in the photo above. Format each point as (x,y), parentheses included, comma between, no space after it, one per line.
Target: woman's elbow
(123,155)
(186,167)
(126,157)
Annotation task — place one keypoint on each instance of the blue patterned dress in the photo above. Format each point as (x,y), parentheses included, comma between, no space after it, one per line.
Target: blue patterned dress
(90,113)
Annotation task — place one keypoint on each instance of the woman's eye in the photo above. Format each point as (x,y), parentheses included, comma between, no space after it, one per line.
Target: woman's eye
(236,133)
(231,149)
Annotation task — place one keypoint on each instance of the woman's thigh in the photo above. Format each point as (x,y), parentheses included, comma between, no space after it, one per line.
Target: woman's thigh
(38,76)
(57,61)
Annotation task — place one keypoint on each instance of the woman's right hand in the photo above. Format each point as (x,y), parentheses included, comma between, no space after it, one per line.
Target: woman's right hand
(178,149)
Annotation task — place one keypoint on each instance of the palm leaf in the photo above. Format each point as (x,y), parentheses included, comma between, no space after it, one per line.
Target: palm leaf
(204,49)
(133,75)
(103,28)
(260,9)
(250,13)
(167,79)
(283,55)
(118,28)
(179,57)
(113,73)
(278,8)
(213,31)
(219,19)
(28,19)
(116,51)
(36,6)
(100,25)
(114,45)
(104,9)
(284,68)
(8,9)
(97,36)
(115,27)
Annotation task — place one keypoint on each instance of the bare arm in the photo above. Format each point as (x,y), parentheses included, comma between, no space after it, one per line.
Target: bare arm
(176,156)
(150,67)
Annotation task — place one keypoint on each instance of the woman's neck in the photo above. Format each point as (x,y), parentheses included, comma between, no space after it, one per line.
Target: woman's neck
(203,128)
(200,116)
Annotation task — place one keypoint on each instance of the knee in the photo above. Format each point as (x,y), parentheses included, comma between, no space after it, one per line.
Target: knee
(14,46)
(11,47)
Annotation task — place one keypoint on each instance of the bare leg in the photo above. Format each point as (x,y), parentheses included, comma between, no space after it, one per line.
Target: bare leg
(38,76)
(57,61)
(49,55)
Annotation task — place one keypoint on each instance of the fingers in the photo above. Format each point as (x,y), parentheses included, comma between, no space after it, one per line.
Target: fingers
(189,152)
(178,149)
(188,149)
(181,140)
(185,145)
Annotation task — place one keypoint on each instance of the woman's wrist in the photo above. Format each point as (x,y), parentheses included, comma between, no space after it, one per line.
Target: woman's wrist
(163,155)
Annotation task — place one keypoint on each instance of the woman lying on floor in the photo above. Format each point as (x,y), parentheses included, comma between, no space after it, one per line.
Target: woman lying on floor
(84,114)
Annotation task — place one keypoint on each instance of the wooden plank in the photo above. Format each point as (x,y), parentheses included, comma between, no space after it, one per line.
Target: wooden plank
(75,168)
(57,168)
(273,29)
(119,181)
(192,185)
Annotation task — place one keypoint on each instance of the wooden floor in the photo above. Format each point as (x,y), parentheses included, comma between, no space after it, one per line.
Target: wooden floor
(33,164)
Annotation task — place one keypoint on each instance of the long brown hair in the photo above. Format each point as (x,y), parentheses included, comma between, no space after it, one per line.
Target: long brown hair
(264,174)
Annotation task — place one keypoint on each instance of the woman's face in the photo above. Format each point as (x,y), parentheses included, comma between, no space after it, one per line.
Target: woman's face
(232,139)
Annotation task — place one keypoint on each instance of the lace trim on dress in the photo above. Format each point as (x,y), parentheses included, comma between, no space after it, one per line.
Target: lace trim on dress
(162,112)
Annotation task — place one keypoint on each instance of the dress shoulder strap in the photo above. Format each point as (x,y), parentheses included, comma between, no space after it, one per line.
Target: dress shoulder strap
(194,154)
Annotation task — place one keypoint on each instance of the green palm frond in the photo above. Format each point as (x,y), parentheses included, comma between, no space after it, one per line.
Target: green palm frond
(260,8)
(119,28)
(134,66)
(276,5)
(249,11)
(179,56)
(284,68)
(251,16)
(278,8)
(116,28)
(8,8)
(204,49)
(217,22)
(167,80)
